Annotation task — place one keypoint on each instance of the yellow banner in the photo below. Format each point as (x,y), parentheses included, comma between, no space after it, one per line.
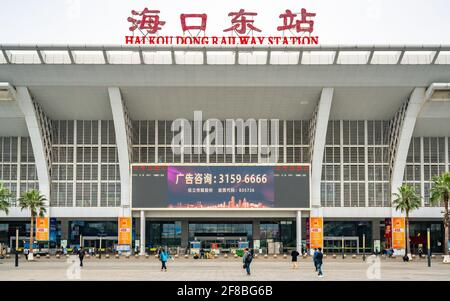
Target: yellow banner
(398,233)
(124,230)
(42,229)
(316,232)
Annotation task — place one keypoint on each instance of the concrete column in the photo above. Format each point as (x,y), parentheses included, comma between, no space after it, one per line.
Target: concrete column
(416,101)
(376,229)
(64,229)
(136,228)
(39,143)
(299,232)
(184,233)
(123,146)
(318,144)
(256,231)
(142,233)
(375,232)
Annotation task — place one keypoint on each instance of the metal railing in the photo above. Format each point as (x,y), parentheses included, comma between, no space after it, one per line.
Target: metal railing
(226,55)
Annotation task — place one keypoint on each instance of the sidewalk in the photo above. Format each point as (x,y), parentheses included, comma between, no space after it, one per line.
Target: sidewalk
(222,269)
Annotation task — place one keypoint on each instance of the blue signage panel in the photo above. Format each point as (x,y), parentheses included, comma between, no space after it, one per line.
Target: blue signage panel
(53,229)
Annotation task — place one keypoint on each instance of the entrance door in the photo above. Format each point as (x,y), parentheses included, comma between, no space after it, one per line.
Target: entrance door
(333,244)
(93,242)
(225,243)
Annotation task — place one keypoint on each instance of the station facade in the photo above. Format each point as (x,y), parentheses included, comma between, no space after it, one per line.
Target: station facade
(79,124)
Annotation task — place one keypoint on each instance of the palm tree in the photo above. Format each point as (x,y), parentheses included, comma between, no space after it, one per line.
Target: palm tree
(440,192)
(35,202)
(5,195)
(406,200)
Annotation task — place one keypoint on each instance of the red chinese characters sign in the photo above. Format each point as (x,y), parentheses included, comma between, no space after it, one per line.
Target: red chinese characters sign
(291,21)
(240,22)
(186,27)
(296,29)
(146,20)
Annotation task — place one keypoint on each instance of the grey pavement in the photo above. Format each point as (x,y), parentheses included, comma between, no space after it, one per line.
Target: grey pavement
(222,269)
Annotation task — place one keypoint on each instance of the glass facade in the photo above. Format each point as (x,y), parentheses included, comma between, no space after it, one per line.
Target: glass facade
(17,167)
(426,158)
(225,234)
(85,173)
(152,144)
(355,171)
(348,230)
(91,228)
(85,166)
(198,229)
(418,236)
(8,231)
(279,231)
(162,234)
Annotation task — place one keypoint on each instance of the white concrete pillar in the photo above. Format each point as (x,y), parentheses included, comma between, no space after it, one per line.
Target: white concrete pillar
(416,101)
(299,232)
(122,139)
(142,233)
(38,141)
(322,117)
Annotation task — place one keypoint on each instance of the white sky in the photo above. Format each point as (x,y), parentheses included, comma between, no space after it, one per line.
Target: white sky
(337,21)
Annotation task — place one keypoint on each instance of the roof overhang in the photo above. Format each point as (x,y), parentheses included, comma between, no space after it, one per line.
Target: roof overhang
(370,82)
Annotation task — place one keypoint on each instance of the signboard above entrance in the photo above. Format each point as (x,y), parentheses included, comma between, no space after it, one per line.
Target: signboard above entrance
(220,186)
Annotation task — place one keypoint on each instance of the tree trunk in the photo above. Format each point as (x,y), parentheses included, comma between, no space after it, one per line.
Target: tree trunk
(31,234)
(408,247)
(446,221)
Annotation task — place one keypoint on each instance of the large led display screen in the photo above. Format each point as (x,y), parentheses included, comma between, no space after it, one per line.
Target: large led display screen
(220,186)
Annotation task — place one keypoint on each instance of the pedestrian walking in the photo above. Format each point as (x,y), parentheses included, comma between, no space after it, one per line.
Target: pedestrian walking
(202,253)
(247,260)
(314,259)
(81,254)
(319,262)
(26,252)
(420,252)
(294,255)
(163,257)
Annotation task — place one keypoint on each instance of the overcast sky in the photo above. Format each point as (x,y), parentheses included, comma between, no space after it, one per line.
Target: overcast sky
(337,21)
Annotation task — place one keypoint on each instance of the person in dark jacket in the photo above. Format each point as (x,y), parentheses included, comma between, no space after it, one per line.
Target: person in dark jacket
(314,259)
(319,261)
(81,254)
(294,255)
(247,260)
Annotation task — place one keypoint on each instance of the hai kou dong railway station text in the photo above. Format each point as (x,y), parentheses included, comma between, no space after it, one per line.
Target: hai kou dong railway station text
(294,28)
(214,40)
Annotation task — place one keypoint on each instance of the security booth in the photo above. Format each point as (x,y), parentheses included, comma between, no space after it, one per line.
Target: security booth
(194,247)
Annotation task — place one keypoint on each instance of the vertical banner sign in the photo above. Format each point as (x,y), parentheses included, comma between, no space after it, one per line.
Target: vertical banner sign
(398,233)
(308,238)
(388,232)
(42,229)
(124,230)
(53,229)
(316,232)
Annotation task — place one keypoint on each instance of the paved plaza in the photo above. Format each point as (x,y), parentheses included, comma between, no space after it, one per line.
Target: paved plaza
(222,269)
